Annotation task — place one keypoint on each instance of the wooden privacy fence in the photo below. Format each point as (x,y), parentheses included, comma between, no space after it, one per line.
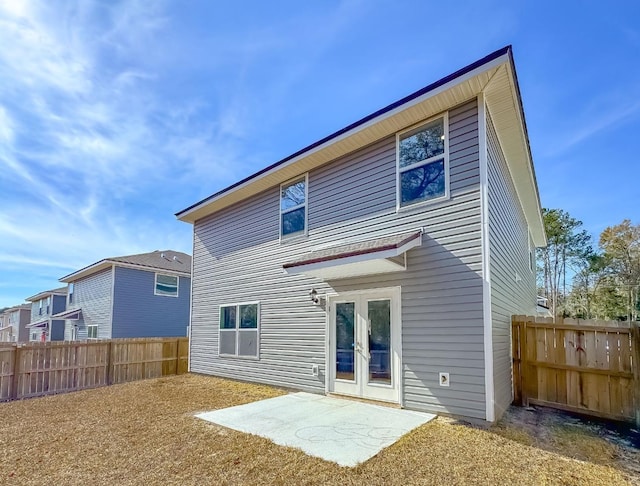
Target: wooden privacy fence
(583,366)
(38,369)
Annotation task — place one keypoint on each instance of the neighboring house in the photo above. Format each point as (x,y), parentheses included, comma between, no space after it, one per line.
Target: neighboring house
(43,325)
(13,324)
(143,295)
(384,261)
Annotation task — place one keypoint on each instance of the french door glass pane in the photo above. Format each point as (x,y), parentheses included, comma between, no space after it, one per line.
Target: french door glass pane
(379,314)
(345,340)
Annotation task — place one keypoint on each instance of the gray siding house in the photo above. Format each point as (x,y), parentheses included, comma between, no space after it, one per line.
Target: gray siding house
(143,295)
(45,325)
(13,324)
(384,261)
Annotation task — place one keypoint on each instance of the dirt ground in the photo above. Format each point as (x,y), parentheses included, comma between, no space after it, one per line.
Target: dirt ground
(597,441)
(145,433)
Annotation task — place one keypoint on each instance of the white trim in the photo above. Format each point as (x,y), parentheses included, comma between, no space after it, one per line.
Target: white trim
(305,232)
(182,216)
(190,329)
(155,284)
(113,293)
(238,330)
(486,262)
(445,155)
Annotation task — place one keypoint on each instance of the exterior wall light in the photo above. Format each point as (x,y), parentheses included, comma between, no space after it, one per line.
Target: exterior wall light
(314,296)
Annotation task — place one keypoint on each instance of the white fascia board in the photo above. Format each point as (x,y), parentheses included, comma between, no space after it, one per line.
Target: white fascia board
(354,131)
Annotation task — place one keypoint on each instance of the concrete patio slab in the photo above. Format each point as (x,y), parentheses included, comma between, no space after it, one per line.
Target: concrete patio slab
(346,432)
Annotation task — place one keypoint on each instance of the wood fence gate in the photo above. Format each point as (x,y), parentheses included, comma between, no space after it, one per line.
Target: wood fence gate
(583,366)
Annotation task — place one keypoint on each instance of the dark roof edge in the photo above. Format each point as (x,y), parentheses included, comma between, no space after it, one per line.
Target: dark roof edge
(382,111)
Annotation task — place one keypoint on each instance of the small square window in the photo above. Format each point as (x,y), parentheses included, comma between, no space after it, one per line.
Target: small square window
(166,285)
(238,334)
(92,331)
(423,163)
(293,207)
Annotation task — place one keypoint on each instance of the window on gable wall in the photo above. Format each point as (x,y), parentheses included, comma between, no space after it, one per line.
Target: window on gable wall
(293,207)
(166,285)
(423,163)
(239,330)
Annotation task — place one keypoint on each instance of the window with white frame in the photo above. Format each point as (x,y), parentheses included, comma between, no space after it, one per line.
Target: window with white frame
(166,285)
(293,207)
(34,336)
(40,307)
(48,305)
(70,292)
(239,324)
(423,163)
(92,331)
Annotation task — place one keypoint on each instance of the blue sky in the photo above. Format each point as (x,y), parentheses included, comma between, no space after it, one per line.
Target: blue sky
(115,115)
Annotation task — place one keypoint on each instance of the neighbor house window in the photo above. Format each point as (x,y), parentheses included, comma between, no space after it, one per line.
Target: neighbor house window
(92,331)
(48,304)
(423,163)
(293,207)
(40,307)
(239,330)
(34,336)
(70,292)
(166,285)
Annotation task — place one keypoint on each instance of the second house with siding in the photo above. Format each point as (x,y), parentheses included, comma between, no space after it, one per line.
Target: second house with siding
(143,295)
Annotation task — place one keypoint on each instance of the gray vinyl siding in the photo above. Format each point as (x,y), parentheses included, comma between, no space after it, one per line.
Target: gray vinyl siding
(513,286)
(138,312)
(238,257)
(93,295)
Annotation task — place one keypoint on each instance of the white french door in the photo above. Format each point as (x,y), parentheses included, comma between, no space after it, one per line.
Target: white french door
(364,344)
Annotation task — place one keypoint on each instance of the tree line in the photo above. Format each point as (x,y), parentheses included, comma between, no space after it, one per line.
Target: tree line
(588,281)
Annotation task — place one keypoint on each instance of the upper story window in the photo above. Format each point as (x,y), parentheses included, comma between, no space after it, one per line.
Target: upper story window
(423,163)
(48,305)
(40,307)
(70,292)
(239,330)
(293,207)
(166,285)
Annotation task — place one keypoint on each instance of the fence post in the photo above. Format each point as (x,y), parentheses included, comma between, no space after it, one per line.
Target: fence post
(15,377)
(109,360)
(635,333)
(177,356)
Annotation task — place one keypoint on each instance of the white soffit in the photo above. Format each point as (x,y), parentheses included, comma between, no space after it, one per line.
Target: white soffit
(504,107)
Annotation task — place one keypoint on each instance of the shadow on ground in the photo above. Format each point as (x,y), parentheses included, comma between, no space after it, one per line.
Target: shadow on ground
(602,442)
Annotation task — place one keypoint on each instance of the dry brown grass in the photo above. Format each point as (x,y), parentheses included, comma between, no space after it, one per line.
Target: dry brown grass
(145,433)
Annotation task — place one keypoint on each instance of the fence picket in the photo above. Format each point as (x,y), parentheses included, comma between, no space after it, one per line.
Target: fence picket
(37,369)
